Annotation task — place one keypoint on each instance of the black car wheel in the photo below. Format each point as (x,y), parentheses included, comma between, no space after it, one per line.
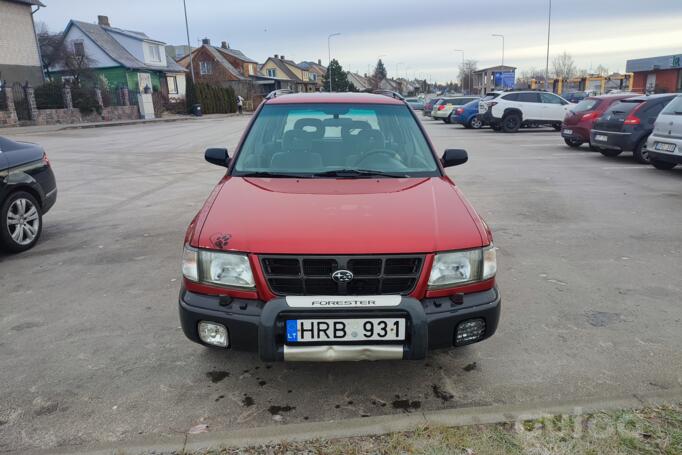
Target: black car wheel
(640,153)
(511,123)
(572,142)
(21,222)
(475,122)
(662,165)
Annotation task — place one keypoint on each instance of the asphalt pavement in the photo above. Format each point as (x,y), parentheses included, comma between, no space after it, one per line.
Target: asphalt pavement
(91,351)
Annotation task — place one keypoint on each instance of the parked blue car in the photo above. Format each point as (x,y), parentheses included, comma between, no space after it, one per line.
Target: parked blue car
(467,115)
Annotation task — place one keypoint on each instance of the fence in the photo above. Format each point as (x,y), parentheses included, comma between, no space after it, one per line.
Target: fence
(50,96)
(3,97)
(112,96)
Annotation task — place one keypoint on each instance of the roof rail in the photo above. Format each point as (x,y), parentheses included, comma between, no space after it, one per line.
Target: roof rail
(390,93)
(280,92)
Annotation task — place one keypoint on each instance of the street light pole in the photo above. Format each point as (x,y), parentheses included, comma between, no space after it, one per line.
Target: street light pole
(462,51)
(189,45)
(329,49)
(549,27)
(501,36)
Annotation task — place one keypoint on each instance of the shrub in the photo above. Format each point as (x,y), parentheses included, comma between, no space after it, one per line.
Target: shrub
(86,102)
(49,96)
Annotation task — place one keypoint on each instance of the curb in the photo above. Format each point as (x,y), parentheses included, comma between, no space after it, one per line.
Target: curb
(377,425)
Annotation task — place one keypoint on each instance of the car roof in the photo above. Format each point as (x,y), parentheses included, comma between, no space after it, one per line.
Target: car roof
(615,96)
(330,98)
(657,96)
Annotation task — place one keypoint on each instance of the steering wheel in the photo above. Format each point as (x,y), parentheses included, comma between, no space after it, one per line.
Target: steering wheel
(390,153)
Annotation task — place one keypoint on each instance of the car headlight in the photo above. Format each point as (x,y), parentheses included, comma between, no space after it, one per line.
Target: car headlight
(460,267)
(214,267)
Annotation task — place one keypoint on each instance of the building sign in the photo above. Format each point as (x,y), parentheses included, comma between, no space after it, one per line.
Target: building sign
(144,80)
(505,79)
(676,61)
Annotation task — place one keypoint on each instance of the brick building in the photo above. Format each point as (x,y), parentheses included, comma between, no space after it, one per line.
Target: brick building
(656,74)
(219,65)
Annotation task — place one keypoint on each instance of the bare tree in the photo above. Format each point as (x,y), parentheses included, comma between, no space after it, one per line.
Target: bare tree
(601,70)
(526,77)
(563,66)
(466,74)
(57,53)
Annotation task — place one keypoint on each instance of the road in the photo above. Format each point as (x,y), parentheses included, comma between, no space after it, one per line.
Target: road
(91,350)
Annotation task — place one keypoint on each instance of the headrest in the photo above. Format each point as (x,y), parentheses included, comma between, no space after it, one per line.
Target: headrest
(312,126)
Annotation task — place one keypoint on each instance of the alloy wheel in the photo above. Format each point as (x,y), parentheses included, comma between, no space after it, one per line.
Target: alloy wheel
(23,221)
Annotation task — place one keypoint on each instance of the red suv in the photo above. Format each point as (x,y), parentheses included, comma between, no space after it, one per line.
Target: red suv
(578,122)
(336,234)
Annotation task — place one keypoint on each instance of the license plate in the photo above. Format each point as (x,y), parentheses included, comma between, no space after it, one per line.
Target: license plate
(568,132)
(331,330)
(662,146)
(601,138)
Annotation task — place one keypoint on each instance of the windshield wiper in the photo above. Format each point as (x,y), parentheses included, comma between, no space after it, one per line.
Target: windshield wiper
(351,173)
(274,175)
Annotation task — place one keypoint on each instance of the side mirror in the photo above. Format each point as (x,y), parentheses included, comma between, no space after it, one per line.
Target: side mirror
(217,156)
(454,157)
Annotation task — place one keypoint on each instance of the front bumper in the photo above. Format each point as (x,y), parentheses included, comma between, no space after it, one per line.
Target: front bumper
(259,326)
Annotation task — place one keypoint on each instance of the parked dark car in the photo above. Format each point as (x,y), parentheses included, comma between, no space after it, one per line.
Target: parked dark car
(580,119)
(626,125)
(467,115)
(27,191)
(574,97)
(428,106)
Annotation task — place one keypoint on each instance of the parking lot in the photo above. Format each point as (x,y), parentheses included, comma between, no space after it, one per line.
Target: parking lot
(90,345)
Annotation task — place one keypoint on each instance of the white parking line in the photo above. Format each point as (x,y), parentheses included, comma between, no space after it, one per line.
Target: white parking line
(628,167)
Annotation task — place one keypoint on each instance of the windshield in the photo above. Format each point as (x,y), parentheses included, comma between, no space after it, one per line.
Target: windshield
(588,104)
(308,140)
(674,107)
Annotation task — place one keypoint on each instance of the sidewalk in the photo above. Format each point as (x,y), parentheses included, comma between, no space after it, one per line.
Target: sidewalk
(10,131)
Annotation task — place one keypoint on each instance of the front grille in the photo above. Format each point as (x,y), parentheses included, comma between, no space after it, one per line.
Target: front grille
(311,275)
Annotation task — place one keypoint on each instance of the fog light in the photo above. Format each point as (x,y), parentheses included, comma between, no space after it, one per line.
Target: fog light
(469,331)
(213,334)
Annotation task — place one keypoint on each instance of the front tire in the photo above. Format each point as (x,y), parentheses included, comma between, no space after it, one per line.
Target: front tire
(574,143)
(475,123)
(663,165)
(640,153)
(21,222)
(511,123)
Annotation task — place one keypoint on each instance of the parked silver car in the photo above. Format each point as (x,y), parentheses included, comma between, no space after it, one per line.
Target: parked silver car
(665,143)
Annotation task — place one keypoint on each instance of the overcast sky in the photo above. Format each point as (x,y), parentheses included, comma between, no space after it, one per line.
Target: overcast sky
(417,37)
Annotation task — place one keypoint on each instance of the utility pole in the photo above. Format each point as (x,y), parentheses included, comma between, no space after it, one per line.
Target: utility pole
(189,45)
(501,36)
(329,48)
(463,68)
(549,28)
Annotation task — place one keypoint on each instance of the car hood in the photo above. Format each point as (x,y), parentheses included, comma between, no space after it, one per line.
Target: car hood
(338,216)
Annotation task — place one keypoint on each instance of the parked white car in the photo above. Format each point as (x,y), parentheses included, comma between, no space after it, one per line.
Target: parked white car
(443,109)
(509,111)
(665,142)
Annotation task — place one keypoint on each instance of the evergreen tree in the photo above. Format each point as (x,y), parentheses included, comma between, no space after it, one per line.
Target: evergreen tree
(338,76)
(380,71)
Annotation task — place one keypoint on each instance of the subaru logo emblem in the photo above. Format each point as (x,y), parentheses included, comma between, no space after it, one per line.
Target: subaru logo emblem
(342,276)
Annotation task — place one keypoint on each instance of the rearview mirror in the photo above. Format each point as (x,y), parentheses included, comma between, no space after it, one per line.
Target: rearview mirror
(454,157)
(217,156)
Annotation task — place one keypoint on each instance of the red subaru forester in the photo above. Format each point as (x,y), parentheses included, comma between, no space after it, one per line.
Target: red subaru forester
(336,234)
